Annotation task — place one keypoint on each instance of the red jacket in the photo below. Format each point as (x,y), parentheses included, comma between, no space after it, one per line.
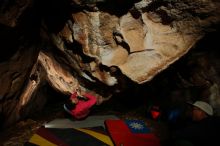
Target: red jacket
(82,108)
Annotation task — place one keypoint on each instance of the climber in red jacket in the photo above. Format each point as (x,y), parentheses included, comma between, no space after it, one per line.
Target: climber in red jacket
(79,105)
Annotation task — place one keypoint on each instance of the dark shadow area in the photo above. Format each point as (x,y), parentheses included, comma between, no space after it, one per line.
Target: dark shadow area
(8,49)
(25,34)
(116,7)
(52,104)
(54,13)
(209,43)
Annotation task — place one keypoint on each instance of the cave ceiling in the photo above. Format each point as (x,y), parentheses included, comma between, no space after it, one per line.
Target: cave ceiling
(99,45)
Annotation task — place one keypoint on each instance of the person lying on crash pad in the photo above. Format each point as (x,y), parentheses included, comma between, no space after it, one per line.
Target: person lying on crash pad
(202,131)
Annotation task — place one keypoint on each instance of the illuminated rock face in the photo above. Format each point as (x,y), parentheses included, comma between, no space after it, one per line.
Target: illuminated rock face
(97,45)
(141,43)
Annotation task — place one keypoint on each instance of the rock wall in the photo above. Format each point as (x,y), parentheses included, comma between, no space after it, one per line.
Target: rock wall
(101,46)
